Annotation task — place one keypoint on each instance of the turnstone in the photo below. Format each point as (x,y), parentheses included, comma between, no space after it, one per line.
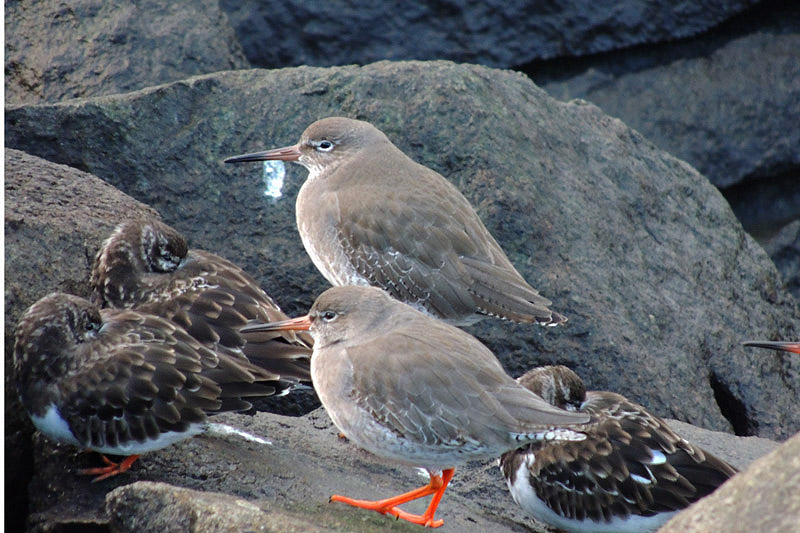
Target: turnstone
(146,265)
(410,388)
(631,473)
(122,382)
(369,215)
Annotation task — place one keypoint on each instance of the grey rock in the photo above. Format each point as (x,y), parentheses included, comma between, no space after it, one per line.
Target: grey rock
(56,217)
(763,498)
(659,280)
(290,480)
(784,249)
(726,101)
(147,506)
(494,33)
(60,50)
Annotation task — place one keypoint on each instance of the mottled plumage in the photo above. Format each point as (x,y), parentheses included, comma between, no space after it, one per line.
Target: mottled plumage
(410,388)
(631,473)
(146,265)
(121,381)
(369,215)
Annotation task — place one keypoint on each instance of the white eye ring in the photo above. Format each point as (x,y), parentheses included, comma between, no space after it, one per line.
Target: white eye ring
(329,316)
(324,146)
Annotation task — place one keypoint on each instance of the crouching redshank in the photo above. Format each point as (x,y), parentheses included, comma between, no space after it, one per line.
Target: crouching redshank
(370,215)
(410,388)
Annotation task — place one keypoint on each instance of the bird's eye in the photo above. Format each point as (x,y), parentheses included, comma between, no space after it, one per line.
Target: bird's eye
(328,316)
(325,146)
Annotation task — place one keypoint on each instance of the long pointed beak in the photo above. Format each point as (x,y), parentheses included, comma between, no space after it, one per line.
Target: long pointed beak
(301,323)
(786,346)
(287,153)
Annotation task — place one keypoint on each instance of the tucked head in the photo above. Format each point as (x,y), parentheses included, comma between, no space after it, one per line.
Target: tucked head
(557,385)
(324,144)
(135,248)
(46,334)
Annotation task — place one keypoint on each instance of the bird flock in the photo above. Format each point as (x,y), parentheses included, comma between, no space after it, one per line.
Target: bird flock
(173,335)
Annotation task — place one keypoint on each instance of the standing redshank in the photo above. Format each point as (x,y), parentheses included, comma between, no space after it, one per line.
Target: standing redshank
(122,382)
(631,473)
(786,346)
(369,215)
(410,388)
(146,265)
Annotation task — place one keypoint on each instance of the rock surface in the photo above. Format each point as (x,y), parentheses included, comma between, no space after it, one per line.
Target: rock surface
(764,498)
(723,102)
(784,249)
(494,33)
(60,50)
(289,481)
(659,280)
(56,217)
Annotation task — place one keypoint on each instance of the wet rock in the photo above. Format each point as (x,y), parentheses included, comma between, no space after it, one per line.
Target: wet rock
(60,50)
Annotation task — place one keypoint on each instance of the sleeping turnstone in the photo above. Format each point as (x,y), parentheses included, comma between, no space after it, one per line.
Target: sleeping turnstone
(369,215)
(122,382)
(631,473)
(146,265)
(412,389)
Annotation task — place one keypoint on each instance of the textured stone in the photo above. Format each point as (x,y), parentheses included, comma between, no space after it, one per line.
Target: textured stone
(495,33)
(59,50)
(659,280)
(763,498)
(726,101)
(784,249)
(146,506)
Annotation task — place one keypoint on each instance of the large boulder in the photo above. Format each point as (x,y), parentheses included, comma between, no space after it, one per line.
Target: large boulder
(725,102)
(60,50)
(763,498)
(494,32)
(659,280)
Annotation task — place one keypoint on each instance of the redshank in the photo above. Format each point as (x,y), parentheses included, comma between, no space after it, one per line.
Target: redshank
(122,382)
(631,473)
(786,346)
(146,265)
(413,389)
(369,215)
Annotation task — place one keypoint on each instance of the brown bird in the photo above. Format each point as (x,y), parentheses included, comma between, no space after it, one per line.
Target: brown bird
(122,382)
(786,346)
(631,473)
(410,388)
(369,215)
(146,265)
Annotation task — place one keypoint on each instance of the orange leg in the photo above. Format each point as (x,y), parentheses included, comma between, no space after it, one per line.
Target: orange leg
(437,486)
(111,468)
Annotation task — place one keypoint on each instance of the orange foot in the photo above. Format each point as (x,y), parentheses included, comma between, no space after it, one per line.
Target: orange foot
(111,468)
(437,486)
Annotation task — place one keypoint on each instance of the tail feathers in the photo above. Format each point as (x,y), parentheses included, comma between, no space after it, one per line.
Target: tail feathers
(503,293)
